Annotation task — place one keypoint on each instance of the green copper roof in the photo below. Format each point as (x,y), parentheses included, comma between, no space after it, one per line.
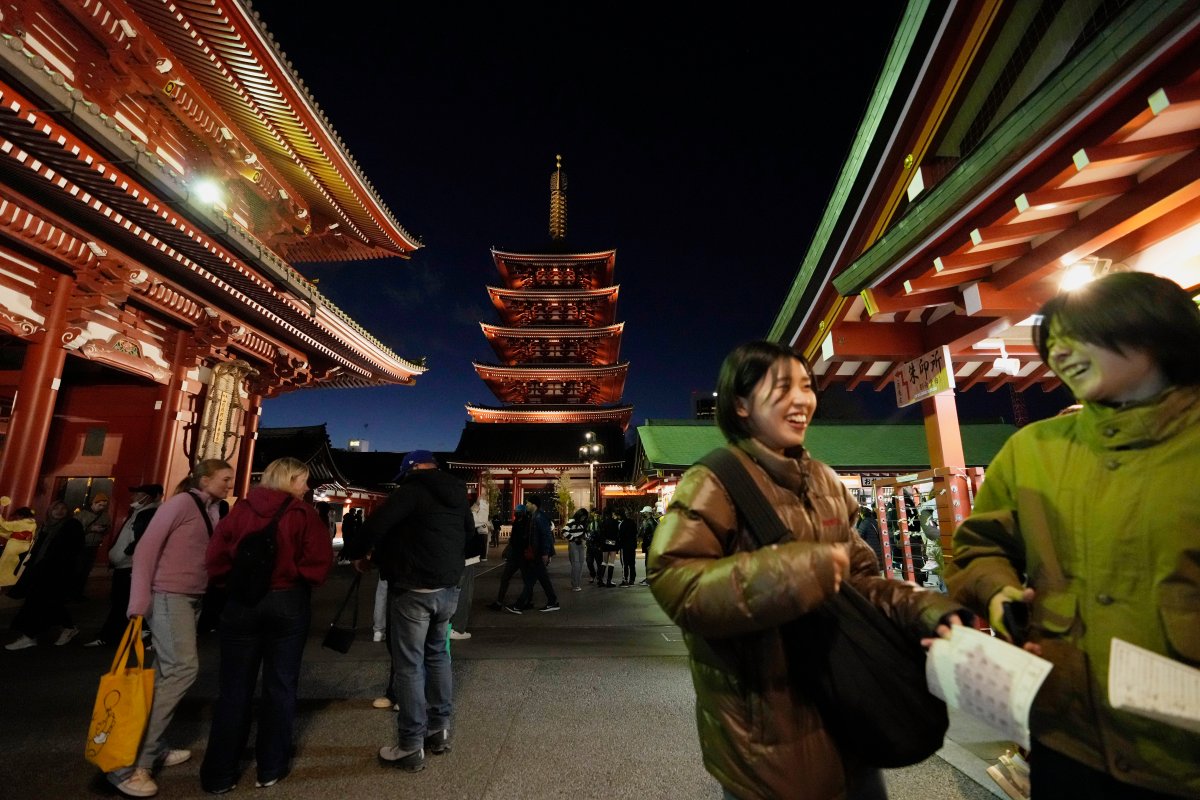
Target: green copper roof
(842,446)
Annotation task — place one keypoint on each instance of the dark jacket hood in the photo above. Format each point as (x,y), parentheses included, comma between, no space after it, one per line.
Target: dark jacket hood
(266,502)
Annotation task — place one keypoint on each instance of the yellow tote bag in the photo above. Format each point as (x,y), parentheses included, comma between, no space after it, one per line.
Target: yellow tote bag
(122,706)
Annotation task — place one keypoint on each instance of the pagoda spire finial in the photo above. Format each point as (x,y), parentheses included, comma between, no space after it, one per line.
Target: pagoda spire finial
(558,202)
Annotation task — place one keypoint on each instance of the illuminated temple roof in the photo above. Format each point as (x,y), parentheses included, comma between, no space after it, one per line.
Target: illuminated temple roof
(570,384)
(555,345)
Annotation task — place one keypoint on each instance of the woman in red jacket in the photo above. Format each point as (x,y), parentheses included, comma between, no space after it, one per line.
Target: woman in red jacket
(271,632)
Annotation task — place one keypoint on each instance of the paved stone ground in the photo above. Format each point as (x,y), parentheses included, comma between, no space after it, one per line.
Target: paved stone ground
(593,701)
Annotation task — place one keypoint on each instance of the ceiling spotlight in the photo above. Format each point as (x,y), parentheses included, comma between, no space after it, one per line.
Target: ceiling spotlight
(1005,365)
(1083,272)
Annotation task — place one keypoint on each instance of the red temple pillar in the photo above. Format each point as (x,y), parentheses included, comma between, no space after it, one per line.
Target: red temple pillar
(33,409)
(944,439)
(245,465)
(170,411)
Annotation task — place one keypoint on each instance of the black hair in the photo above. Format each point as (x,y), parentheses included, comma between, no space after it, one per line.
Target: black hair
(740,373)
(1129,311)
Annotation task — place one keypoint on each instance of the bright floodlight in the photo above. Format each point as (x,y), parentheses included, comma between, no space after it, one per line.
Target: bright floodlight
(1077,275)
(207,191)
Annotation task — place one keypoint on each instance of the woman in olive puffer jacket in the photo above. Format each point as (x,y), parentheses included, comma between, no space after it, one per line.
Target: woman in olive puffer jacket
(760,735)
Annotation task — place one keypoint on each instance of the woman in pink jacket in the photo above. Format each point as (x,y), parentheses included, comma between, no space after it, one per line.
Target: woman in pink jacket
(167,586)
(271,632)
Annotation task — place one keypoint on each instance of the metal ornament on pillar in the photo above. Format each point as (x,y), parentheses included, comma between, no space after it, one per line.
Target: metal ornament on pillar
(220,426)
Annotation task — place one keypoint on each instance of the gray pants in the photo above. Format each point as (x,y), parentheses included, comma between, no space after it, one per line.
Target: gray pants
(576,551)
(176,665)
(379,620)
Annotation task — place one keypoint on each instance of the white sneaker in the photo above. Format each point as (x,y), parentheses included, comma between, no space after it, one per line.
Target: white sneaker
(95,643)
(21,643)
(377,636)
(176,757)
(67,635)
(459,634)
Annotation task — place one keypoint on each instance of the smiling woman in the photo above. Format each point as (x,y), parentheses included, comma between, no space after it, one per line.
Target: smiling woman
(1089,519)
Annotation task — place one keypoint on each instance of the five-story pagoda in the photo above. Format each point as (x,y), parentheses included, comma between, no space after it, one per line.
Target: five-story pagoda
(557,374)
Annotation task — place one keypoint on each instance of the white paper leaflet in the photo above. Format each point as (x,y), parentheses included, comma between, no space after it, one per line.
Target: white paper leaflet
(987,678)
(1154,686)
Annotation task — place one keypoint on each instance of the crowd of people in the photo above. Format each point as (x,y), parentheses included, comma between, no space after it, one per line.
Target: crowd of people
(1052,531)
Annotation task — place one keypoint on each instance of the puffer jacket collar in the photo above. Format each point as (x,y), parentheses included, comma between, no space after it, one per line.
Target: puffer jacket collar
(1142,424)
(789,470)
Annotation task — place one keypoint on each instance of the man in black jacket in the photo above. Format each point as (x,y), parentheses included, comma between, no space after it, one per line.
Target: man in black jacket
(418,538)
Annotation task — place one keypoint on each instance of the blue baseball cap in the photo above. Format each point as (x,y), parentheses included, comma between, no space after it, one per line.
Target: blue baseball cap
(413,458)
(520,508)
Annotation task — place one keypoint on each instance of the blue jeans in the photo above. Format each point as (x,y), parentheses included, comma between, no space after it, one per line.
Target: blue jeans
(422,684)
(271,635)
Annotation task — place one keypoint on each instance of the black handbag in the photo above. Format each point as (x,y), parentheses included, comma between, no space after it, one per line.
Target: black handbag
(863,673)
(340,637)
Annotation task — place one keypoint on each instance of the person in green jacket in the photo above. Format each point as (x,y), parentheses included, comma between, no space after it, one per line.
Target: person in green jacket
(1091,519)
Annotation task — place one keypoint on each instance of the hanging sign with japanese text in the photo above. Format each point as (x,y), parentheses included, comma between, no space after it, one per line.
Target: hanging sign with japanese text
(924,377)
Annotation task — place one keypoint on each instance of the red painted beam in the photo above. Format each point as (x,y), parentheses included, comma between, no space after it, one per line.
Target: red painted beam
(873,341)
(934,283)
(974,258)
(1074,195)
(1107,155)
(1022,231)
(1158,195)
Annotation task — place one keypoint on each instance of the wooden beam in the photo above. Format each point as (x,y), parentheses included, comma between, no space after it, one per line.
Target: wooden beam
(873,341)
(1107,155)
(973,258)
(1171,98)
(1155,197)
(883,301)
(826,380)
(959,332)
(975,377)
(933,283)
(1050,386)
(1152,233)
(1074,195)
(1022,231)
(984,298)
(1034,378)
(885,380)
(860,375)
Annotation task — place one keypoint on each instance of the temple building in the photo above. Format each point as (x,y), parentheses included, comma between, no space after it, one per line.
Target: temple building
(557,374)
(1009,151)
(162,172)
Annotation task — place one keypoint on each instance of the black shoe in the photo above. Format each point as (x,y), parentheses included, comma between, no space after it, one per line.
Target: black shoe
(409,762)
(495,606)
(438,742)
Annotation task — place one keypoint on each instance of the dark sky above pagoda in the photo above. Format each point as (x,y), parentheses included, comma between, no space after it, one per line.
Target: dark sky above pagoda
(702,147)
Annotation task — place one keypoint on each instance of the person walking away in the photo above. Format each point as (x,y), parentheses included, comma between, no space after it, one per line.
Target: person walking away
(168,581)
(761,734)
(627,535)
(419,537)
(649,523)
(868,529)
(269,635)
(48,579)
(575,532)
(610,545)
(466,584)
(1088,518)
(594,557)
(96,523)
(144,501)
(539,552)
(514,559)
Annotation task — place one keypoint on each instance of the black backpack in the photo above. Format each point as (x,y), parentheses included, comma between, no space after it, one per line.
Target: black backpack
(254,561)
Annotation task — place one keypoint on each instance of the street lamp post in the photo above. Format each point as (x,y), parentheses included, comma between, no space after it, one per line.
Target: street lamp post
(589,453)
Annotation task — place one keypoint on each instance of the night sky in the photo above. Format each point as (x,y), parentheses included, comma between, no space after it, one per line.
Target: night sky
(702,147)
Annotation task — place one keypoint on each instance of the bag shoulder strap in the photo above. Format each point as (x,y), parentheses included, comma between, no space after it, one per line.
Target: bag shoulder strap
(352,592)
(764,523)
(273,525)
(203,512)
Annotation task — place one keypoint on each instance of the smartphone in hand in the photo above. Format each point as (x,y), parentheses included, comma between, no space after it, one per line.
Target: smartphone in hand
(1016,619)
